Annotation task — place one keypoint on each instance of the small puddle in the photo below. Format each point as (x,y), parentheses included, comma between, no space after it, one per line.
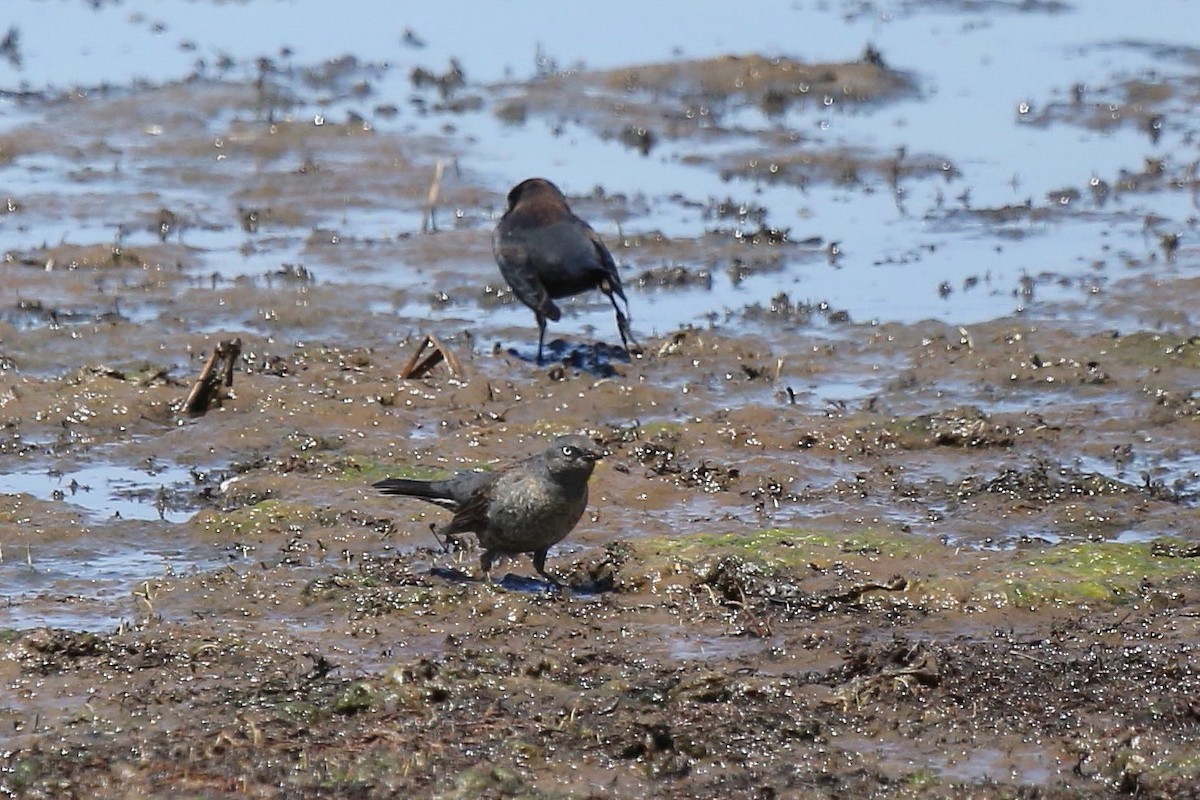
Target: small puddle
(81,576)
(1172,474)
(683,644)
(1021,763)
(111,491)
(88,584)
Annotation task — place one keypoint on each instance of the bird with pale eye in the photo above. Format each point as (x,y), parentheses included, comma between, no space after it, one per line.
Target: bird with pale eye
(546,253)
(525,507)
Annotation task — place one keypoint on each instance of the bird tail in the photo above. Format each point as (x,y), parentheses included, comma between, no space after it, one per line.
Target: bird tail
(434,491)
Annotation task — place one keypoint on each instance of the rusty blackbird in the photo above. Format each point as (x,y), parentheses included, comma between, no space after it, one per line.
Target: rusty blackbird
(545,252)
(525,507)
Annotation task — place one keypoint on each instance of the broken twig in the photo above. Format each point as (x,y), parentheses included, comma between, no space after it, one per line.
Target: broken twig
(418,367)
(217,373)
(429,224)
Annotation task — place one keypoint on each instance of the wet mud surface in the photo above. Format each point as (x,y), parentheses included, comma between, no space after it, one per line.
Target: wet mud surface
(824,556)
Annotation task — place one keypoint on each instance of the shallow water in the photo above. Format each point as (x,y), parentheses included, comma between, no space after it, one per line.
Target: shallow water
(105,490)
(974,69)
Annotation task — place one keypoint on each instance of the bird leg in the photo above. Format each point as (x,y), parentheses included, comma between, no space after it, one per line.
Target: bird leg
(485,563)
(445,543)
(541,321)
(449,541)
(623,324)
(539,564)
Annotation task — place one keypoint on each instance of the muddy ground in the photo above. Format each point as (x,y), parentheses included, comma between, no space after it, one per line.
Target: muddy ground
(971,570)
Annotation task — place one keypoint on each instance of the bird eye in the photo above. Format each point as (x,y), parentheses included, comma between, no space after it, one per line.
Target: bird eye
(570,450)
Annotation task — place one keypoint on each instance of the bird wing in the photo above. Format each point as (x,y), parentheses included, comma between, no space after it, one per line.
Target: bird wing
(523,278)
(471,514)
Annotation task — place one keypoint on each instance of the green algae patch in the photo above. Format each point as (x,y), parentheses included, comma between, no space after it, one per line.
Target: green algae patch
(366,595)
(753,76)
(1092,572)
(654,429)
(269,516)
(814,568)
(785,548)
(356,697)
(964,426)
(1151,350)
(1067,574)
(279,517)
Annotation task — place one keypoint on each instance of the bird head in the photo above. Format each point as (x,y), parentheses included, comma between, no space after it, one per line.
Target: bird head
(572,456)
(532,188)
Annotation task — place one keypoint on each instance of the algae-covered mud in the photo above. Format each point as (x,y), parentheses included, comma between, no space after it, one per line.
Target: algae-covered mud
(899,497)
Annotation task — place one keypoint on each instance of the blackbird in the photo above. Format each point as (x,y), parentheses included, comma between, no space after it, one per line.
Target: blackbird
(525,507)
(545,252)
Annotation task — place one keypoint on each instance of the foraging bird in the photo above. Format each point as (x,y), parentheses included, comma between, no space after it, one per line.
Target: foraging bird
(545,252)
(526,507)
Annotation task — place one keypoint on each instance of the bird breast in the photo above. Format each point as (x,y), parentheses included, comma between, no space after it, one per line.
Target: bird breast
(535,510)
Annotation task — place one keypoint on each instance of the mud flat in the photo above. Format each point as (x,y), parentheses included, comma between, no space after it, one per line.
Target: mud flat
(827,555)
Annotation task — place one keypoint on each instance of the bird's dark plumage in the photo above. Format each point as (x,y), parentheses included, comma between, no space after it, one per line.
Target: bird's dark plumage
(526,507)
(545,252)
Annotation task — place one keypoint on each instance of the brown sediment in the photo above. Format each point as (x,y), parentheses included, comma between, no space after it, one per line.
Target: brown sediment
(823,558)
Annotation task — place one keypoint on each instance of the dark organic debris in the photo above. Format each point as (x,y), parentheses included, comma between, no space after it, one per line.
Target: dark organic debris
(10,47)
(1170,244)
(297,273)
(662,459)
(447,83)
(965,426)
(762,235)
(638,138)
(600,573)
(251,219)
(771,492)
(735,580)
(1171,550)
(675,275)
(51,650)
(596,359)
(760,591)
(781,308)
(742,213)
(412,39)
(1045,482)
(898,669)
